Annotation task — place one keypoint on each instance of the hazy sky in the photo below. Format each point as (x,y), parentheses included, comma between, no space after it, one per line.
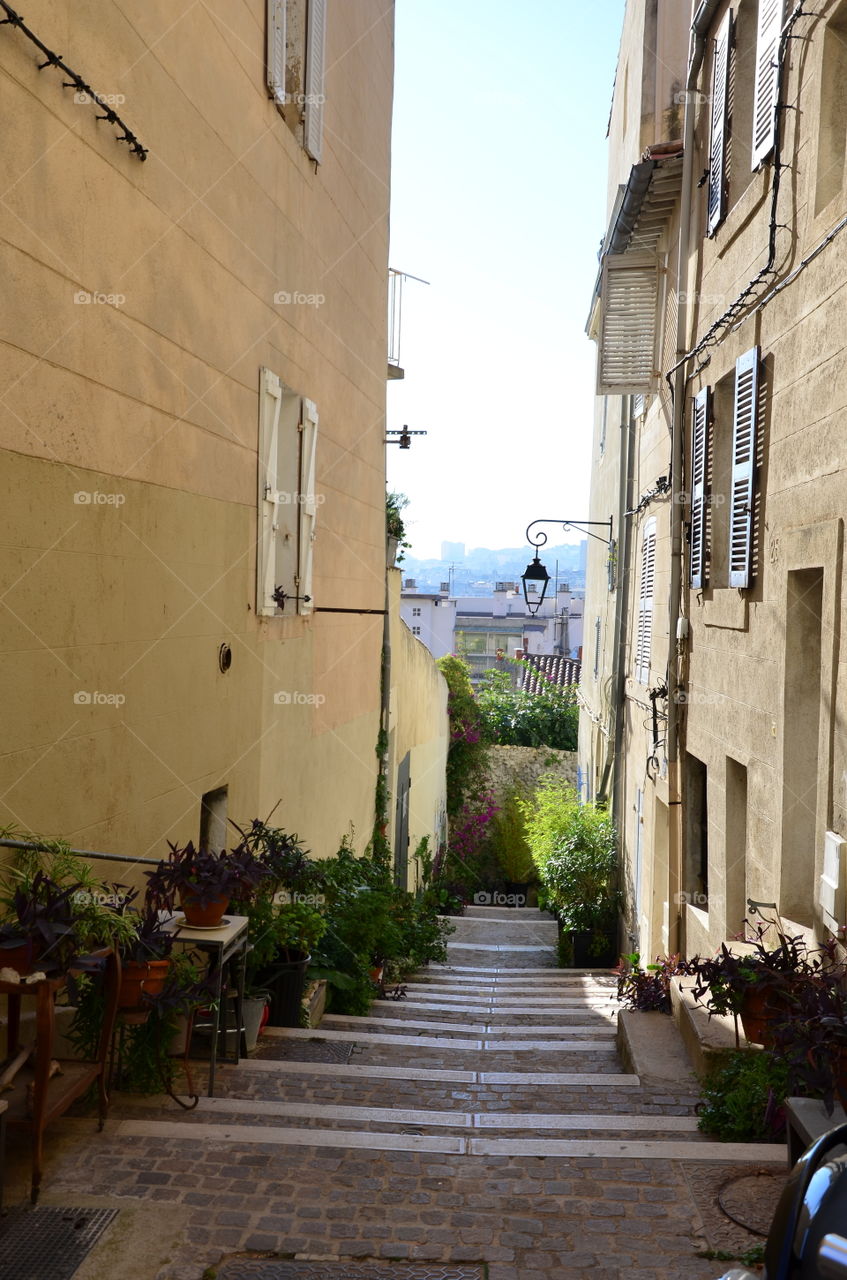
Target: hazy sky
(499,178)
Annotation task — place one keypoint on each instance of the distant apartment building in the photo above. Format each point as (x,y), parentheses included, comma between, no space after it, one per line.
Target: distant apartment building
(430,616)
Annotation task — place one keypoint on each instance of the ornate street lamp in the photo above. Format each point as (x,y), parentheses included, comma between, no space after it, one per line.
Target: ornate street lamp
(536,574)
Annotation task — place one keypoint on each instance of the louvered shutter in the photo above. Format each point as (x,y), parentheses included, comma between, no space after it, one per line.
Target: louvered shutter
(764,96)
(644,626)
(275,54)
(831,894)
(270,403)
(307,503)
(717,148)
(743,468)
(313,119)
(699,451)
(627,359)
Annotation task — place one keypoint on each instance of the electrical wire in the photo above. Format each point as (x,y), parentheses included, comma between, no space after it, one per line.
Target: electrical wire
(724,324)
(76,81)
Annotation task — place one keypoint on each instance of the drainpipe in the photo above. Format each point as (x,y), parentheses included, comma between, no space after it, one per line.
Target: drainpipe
(625,503)
(699,28)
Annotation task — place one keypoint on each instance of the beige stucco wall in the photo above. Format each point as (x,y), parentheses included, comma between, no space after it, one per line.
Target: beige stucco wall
(154,402)
(744,652)
(418,725)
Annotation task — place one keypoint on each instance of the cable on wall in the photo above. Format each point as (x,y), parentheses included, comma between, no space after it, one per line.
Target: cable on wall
(76,81)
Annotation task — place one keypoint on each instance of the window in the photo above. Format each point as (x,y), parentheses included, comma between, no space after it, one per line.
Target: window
(723,472)
(416,613)
(295,67)
(832,117)
(696,866)
(416,631)
(767,79)
(288,432)
(628,332)
(213,833)
(718,142)
(644,625)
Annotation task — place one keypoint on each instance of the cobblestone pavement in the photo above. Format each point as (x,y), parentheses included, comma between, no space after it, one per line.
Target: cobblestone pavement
(386,1159)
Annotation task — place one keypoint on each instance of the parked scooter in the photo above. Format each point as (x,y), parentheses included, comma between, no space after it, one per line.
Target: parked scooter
(808,1235)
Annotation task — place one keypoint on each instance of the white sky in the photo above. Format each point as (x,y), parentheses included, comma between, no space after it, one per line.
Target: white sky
(499,181)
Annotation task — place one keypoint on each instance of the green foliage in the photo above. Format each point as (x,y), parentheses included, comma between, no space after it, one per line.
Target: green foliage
(508,838)
(395,525)
(743,1099)
(516,718)
(467,757)
(547,815)
(574,847)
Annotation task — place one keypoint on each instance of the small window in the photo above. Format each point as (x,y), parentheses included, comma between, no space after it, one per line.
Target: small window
(213,820)
(416,631)
(416,613)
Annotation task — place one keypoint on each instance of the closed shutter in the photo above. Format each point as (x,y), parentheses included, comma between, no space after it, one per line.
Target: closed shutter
(644,626)
(597,626)
(275,55)
(831,889)
(699,452)
(764,96)
(743,468)
(627,359)
(717,149)
(313,120)
(270,403)
(307,503)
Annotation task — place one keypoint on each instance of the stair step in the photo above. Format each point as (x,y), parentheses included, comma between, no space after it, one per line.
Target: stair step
(350,1023)
(446,1042)
(363,1071)
(575,1148)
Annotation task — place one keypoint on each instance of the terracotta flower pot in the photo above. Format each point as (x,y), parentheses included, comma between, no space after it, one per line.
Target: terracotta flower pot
(139,979)
(207,916)
(761,1009)
(22,958)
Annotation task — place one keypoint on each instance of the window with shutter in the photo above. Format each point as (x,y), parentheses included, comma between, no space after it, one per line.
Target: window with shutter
(275,53)
(287,505)
(831,895)
(627,358)
(764,95)
(717,148)
(644,624)
(313,120)
(699,450)
(743,468)
(307,503)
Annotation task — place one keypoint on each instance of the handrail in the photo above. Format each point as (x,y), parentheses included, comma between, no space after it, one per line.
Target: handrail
(35,845)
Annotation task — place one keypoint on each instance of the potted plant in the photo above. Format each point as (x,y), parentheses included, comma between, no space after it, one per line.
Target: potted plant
(757,983)
(146,958)
(282,956)
(204,881)
(38,927)
(812,1039)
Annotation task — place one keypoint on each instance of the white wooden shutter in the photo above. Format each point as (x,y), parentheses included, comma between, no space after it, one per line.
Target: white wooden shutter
(743,468)
(275,53)
(644,631)
(831,892)
(270,403)
(699,452)
(764,95)
(313,119)
(717,148)
(307,503)
(626,363)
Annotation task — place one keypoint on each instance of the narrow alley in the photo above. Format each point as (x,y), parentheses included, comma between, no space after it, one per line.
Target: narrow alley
(483,1121)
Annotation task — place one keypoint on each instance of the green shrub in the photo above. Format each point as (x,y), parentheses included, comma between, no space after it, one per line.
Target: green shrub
(516,718)
(508,838)
(743,1099)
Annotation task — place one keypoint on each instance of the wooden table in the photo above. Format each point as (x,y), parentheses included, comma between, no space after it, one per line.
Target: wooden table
(50,1098)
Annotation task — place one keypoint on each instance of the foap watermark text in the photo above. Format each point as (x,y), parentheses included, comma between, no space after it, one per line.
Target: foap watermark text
(498,899)
(292,698)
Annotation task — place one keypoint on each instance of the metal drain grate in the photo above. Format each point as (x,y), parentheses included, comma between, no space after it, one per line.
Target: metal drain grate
(308,1051)
(49,1244)
(279,1269)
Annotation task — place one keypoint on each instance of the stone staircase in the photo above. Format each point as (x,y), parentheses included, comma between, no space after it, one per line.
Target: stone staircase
(496,1057)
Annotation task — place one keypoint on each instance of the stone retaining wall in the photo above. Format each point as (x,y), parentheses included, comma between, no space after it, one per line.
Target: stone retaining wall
(523,766)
